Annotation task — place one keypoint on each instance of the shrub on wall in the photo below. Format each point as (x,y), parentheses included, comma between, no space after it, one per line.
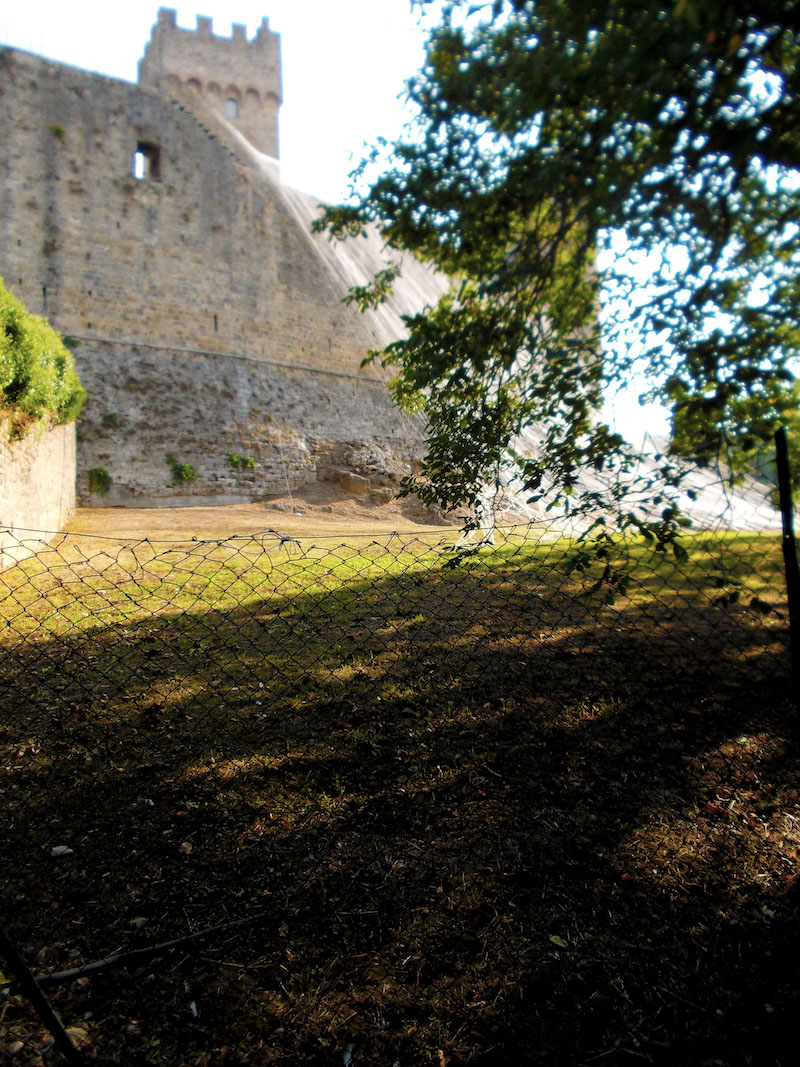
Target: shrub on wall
(181,472)
(99,480)
(242,463)
(38,381)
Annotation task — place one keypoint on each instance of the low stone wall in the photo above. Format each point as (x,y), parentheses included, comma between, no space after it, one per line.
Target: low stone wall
(37,489)
(243,428)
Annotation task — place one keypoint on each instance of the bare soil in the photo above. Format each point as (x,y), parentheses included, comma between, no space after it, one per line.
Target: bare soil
(313,511)
(472,818)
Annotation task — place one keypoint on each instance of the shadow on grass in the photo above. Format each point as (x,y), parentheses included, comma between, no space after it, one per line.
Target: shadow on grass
(485,823)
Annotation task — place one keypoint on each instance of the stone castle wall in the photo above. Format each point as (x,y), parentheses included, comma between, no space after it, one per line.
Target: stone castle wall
(199,305)
(236,77)
(206,257)
(201,408)
(37,489)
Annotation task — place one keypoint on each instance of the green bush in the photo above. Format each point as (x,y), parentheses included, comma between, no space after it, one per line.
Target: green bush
(99,480)
(38,381)
(181,472)
(243,463)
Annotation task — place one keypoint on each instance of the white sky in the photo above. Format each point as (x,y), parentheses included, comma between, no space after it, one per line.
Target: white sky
(344,67)
(344,64)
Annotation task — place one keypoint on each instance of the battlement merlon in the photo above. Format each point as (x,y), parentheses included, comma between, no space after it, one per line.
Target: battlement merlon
(167,19)
(172,49)
(231,76)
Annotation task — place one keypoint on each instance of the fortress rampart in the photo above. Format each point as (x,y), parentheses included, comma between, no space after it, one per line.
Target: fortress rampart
(205,319)
(239,78)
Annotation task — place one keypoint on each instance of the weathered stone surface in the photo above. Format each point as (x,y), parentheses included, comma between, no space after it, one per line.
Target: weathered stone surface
(348,481)
(203,409)
(240,78)
(207,320)
(382,495)
(37,486)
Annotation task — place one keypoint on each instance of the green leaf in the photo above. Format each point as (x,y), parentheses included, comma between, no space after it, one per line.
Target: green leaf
(548,132)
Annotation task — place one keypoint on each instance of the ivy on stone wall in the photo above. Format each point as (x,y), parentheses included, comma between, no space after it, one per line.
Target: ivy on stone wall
(38,380)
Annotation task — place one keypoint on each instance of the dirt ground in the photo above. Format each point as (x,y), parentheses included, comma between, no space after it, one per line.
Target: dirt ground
(468,816)
(314,511)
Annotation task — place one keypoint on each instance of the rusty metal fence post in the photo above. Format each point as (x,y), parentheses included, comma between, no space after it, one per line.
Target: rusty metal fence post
(789,554)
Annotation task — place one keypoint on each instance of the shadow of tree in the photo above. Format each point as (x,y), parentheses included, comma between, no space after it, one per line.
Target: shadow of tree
(474,812)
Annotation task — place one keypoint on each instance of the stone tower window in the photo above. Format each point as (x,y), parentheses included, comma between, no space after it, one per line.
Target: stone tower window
(147,162)
(232,108)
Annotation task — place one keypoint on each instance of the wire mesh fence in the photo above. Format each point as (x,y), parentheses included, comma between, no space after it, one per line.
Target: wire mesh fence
(425,777)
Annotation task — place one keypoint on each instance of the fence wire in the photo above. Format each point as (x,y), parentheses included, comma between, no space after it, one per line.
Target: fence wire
(356,745)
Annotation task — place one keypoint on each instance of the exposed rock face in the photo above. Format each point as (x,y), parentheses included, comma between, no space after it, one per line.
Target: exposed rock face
(150,225)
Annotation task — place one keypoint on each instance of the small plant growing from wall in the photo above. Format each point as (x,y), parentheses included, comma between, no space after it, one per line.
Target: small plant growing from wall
(111,420)
(181,472)
(242,463)
(99,480)
(57,131)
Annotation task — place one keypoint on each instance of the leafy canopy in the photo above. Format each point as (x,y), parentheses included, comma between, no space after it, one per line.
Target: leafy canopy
(546,129)
(38,381)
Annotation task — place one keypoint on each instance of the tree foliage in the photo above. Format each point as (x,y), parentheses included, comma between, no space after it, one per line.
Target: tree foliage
(547,128)
(38,381)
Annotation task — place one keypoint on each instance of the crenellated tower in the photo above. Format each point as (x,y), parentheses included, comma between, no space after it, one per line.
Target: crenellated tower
(231,77)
